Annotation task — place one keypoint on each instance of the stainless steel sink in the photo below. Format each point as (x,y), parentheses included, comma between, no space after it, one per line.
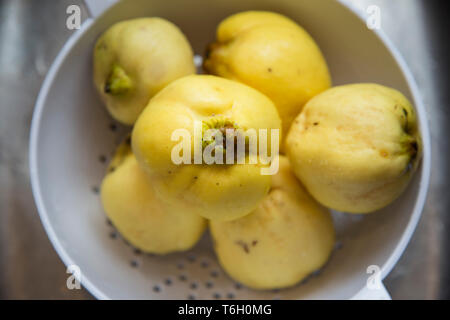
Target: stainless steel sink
(32,33)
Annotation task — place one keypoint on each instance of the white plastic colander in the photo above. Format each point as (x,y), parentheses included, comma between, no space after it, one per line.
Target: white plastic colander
(73,137)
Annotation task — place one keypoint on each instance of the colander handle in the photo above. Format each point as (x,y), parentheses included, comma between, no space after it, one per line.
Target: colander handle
(97,7)
(367,293)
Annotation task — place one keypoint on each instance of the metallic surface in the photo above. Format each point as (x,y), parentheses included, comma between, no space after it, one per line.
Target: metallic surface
(32,33)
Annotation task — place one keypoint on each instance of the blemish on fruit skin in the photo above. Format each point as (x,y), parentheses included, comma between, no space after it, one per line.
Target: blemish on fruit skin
(384,153)
(243,245)
(269,69)
(254,242)
(102,46)
(316,123)
(405,112)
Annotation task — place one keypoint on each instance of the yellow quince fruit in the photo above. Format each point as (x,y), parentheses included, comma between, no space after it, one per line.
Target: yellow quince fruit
(355,147)
(187,110)
(272,54)
(285,239)
(146,221)
(134,59)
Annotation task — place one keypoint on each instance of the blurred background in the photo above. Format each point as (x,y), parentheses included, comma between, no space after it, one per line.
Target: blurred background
(33,31)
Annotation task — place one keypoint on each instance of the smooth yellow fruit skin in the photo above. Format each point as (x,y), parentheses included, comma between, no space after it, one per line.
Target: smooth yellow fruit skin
(152,52)
(272,54)
(140,216)
(217,191)
(286,238)
(355,147)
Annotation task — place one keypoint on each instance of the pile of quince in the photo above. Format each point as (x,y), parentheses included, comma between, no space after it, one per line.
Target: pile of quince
(351,148)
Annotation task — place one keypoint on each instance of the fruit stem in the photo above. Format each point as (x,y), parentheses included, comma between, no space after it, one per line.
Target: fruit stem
(220,124)
(118,82)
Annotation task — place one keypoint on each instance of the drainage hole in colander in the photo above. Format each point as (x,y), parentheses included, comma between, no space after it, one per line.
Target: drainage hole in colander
(113,127)
(102,158)
(238,286)
(204,264)
(137,252)
(168,282)
(113,235)
(180,266)
(95,190)
(108,222)
(182,277)
(134,263)
(191,297)
(191,258)
(193,285)
(209,284)
(217,295)
(156,289)
(230,295)
(214,274)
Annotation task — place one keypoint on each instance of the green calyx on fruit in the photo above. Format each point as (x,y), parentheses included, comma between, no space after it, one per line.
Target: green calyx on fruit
(118,82)
(221,124)
(220,134)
